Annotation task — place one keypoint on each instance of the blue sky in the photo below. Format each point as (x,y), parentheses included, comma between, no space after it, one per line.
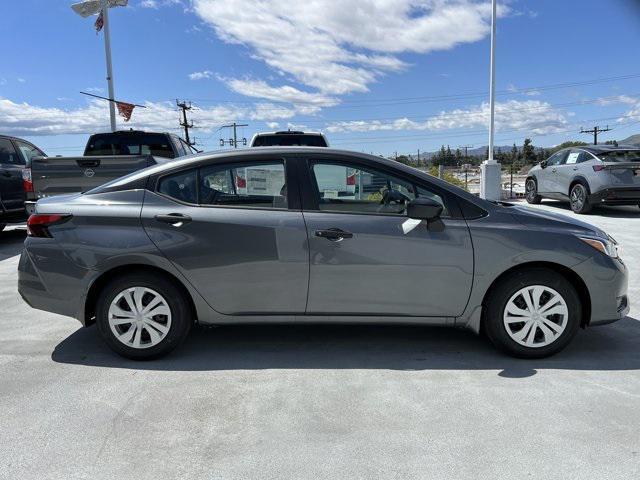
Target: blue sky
(375,75)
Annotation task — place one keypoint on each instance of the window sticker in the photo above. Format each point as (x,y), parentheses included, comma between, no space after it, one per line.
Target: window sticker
(573,158)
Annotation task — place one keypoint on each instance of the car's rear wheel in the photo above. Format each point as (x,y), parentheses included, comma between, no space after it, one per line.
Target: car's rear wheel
(579,199)
(532,313)
(142,316)
(531,192)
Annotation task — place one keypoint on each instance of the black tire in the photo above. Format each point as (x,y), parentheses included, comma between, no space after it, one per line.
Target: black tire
(531,191)
(493,324)
(579,198)
(181,315)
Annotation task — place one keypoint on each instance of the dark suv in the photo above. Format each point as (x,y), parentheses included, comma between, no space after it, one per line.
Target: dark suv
(15,177)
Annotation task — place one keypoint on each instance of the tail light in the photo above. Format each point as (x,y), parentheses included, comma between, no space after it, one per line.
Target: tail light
(240,182)
(27,182)
(597,168)
(38,225)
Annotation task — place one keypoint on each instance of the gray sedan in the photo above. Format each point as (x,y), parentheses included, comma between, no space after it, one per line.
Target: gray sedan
(313,235)
(587,176)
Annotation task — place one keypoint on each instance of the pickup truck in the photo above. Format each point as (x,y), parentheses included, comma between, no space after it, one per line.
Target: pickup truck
(107,156)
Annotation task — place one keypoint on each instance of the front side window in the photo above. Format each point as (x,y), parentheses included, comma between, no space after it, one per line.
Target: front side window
(348,188)
(180,186)
(8,154)
(244,185)
(557,158)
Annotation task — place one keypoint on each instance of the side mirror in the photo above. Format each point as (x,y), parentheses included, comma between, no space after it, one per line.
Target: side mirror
(543,164)
(423,208)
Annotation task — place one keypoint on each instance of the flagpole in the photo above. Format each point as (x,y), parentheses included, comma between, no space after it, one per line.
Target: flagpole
(107,50)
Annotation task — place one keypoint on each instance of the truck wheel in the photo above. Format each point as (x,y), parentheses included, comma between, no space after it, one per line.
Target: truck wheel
(579,198)
(532,313)
(531,192)
(141,316)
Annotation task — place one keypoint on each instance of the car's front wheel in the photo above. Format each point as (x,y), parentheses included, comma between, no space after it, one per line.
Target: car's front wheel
(531,192)
(532,313)
(141,316)
(579,198)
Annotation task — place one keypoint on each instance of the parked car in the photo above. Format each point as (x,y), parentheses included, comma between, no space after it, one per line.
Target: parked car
(255,236)
(289,138)
(106,156)
(15,177)
(588,176)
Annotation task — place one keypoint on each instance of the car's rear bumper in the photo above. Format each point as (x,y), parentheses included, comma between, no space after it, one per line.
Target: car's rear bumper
(44,289)
(606,279)
(616,196)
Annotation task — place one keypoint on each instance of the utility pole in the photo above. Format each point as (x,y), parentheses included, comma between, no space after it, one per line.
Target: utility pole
(418,164)
(233,141)
(595,130)
(185,107)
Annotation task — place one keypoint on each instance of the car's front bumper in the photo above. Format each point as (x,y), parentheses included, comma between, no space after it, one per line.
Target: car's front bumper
(606,279)
(616,196)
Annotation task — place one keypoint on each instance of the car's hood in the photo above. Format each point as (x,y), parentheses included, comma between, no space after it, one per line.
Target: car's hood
(550,220)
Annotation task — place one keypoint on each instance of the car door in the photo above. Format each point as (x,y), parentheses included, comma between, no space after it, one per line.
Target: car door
(12,193)
(236,232)
(547,177)
(573,166)
(362,261)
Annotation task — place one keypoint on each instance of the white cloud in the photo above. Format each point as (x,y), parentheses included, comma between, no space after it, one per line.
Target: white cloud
(200,75)
(633,114)
(531,115)
(155,4)
(273,125)
(94,90)
(336,48)
(21,80)
(27,119)
(619,99)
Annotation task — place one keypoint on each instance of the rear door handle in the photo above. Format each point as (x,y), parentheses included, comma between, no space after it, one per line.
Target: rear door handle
(334,234)
(175,219)
(553,170)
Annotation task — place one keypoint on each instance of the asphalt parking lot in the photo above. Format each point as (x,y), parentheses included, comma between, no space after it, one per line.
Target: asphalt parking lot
(318,401)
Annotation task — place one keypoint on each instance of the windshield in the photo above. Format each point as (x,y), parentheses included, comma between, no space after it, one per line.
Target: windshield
(289,140)
(620,156)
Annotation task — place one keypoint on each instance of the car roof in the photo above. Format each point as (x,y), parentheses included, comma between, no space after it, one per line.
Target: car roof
(289,132)
(596,149)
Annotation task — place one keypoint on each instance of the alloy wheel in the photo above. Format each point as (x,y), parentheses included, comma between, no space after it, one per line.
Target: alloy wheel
(535,316)
(139,317)
(578,197)
(530,188)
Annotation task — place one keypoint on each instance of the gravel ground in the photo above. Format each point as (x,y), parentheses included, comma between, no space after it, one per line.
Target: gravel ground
(318,401)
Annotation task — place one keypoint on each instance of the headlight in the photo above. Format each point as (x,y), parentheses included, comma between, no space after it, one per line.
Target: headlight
(607,246)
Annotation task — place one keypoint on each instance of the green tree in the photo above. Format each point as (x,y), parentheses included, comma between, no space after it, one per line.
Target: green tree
(528,151)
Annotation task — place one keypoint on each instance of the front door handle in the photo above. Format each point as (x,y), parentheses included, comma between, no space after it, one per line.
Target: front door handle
(575,168)
(553,170)
(334,234)
(175,219)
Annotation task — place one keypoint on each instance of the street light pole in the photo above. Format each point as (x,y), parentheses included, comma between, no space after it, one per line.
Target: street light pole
(107,51)
(490,168)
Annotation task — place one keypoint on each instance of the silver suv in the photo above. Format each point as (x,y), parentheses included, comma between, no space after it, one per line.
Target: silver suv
(588,176)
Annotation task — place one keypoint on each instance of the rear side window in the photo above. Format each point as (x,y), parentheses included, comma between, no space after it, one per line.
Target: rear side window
(130,144)
(286,140)
(180,186)
(244,185)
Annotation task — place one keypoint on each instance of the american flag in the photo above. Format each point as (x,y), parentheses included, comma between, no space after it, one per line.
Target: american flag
(125,110)
(99,23)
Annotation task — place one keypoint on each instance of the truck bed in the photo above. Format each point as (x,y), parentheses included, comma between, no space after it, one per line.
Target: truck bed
(63,175)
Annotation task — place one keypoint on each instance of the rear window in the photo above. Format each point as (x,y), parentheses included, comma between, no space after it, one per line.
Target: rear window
(294,140)
(620,156)
(134,144)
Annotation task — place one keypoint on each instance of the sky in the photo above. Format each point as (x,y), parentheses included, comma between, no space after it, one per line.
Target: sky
(379,76)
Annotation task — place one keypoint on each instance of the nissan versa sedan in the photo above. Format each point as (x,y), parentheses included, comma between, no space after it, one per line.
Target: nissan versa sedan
(587,176)
(303,234)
